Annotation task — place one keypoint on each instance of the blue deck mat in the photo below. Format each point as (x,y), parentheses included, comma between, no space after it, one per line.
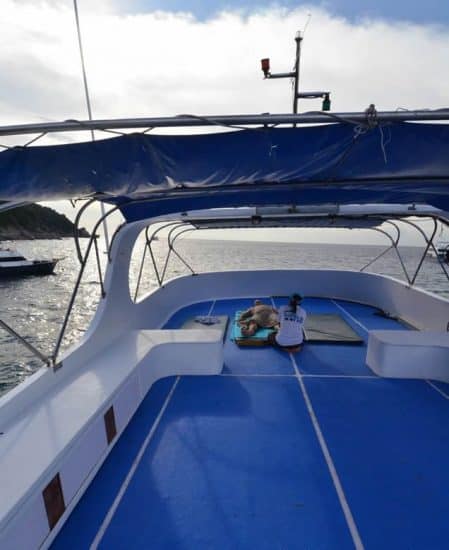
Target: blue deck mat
(337,359)
(235,462)
(343,360)
(389,440)
(442,386)
(238,468)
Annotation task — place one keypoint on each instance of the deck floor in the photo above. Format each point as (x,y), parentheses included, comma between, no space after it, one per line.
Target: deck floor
(311,451)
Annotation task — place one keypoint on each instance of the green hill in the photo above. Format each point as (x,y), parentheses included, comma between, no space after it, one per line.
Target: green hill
(35,222)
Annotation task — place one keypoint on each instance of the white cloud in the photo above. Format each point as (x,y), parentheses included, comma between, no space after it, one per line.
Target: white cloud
(163,63)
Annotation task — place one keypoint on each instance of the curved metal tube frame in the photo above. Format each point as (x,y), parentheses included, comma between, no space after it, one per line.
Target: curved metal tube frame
(78,282)
(76,228)
(395,249)
(172,245)
(429,244)
(170,250)
(89,247)
(148,241)
(384,251)
(158,230)
(113,238)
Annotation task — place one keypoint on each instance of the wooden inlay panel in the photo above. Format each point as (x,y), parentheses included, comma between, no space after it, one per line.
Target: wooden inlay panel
(109,422)
(54,501)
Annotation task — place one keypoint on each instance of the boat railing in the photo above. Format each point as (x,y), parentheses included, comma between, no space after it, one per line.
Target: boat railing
(429,245)
(176,228)
(394,244)
(51,360)
(93,243)
(47,360)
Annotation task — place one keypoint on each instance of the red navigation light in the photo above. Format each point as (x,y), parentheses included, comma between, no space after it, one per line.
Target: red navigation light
(265,66)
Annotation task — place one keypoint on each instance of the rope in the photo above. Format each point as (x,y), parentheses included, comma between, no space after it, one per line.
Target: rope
(107,131)
(221,124)
(25,144)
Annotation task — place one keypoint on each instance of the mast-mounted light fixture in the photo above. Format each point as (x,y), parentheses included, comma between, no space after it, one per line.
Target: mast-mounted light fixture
(324,95)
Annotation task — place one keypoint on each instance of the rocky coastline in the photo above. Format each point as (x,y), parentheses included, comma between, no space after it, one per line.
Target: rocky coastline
(35,222)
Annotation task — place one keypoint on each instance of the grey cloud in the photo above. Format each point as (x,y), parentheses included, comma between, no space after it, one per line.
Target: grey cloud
(27,83)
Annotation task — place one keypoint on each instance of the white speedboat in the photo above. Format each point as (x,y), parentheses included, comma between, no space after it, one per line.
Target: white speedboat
(157,430)
(13,264)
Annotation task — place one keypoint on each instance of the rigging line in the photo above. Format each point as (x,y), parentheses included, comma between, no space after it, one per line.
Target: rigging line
(221,124)
(83,67)
(333,116)
(359,131)
(106,130)
(89,108)
(113,132)
(382,143)
(309,17)
(41,135)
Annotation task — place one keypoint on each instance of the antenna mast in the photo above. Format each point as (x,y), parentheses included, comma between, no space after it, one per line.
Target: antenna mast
(324,95)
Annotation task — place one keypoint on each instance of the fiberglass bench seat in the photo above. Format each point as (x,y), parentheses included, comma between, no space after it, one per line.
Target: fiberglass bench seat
(47,437)
(409,354)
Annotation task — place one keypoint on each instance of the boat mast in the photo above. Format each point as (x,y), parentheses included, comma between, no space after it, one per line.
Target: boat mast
(298,40)
(324,95)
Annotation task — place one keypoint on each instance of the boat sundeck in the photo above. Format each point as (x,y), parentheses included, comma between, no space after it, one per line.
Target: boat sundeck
(157,430)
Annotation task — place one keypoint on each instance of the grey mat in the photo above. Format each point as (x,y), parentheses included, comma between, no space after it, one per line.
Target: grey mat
(329,327)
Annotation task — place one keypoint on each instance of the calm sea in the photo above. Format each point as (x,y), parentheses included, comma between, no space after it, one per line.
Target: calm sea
(35,306)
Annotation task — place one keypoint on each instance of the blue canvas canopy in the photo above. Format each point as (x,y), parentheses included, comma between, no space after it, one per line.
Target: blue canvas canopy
(396,162)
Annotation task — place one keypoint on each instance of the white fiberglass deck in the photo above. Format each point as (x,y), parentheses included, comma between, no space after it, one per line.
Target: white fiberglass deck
(306,451)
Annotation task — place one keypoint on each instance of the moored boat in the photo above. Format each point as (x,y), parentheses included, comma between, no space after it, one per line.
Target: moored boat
(441,251)
(13,264)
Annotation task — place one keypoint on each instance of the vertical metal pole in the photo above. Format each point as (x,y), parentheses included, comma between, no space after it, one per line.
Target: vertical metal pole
(21,339)
(298,39)
(80,44)
(89,108)
(97,254)
(140,271)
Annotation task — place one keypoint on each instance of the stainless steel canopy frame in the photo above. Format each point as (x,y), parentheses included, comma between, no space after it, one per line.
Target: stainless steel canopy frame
(368,118)
(185,224)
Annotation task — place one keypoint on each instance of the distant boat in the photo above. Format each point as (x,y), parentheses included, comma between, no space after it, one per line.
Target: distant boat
(442,251)
(13,264)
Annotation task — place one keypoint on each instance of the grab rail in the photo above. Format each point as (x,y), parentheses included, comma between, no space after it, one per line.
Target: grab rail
(21,339)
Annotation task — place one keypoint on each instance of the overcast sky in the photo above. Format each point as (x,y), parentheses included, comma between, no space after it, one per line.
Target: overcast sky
(154,57)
